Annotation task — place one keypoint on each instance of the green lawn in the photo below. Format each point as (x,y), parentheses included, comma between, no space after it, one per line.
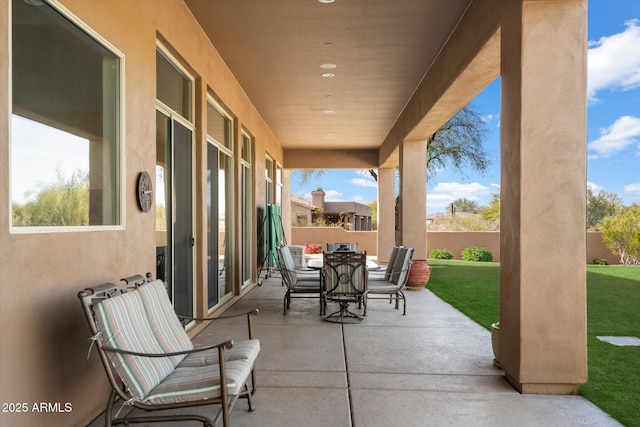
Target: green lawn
(613,308)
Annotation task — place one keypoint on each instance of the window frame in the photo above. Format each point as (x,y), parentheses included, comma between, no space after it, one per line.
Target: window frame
(190,124)
(121,133)
(270,179)
(224,150)
(246,242)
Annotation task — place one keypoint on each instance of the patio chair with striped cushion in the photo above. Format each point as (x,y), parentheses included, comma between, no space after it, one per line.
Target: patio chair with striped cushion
(392,287)
(300,284)
(152,364)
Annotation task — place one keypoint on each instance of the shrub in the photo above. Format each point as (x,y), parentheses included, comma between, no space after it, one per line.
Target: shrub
(441,254)
(476,253)
(599,261)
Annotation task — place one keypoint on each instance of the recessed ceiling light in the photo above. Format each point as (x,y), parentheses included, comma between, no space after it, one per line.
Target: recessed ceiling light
(330,136)
(328,75)
(328,66)
(329,111)
(326,1)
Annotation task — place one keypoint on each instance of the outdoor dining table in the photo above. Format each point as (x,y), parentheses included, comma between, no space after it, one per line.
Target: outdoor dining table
(316,263)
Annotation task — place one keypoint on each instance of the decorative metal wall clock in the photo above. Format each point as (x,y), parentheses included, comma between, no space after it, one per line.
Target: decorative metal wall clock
(145,192)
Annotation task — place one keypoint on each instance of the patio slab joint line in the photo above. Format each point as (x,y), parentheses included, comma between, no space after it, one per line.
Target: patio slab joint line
(346,369)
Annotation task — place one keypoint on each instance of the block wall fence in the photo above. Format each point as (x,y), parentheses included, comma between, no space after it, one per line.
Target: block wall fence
(455,241)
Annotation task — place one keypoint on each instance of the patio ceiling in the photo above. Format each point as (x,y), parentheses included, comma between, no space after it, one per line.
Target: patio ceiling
(381,51)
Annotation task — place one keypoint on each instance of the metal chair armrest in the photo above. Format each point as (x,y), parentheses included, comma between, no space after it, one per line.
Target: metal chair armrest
(226,345)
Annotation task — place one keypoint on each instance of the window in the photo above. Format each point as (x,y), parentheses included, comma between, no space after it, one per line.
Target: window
(268,176)
(220,195)
(65,123)
(174,198)
(279,185)
(246,187)
(173,87)
(301,220)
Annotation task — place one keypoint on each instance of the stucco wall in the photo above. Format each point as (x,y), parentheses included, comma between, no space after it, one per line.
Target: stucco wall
(597,249)
(302,211)
(366,240)
(455,241)
(44,340)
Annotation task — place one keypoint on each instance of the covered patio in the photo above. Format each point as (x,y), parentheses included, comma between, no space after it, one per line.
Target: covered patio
(219,101)
(433,367)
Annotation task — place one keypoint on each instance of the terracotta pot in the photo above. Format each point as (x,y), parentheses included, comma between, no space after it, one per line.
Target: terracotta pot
(418,275)
(495,342)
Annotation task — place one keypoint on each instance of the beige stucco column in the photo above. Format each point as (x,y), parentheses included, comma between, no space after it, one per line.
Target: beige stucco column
(413,196)
(543,184)
(386,212)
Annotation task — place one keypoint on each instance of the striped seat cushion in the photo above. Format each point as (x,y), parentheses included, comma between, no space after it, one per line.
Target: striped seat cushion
(242,350)
(142,321)
(345,273)
(382,286)
(188,384)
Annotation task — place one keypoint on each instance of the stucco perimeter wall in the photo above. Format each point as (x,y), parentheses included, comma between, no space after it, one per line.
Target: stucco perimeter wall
(597,249)
(366,240)
(455,241)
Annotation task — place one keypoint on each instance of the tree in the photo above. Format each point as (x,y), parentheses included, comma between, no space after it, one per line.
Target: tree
(458,143)
(63,203)
(621,234)
(492,212)
(465,205)
(601,206)
(374,214)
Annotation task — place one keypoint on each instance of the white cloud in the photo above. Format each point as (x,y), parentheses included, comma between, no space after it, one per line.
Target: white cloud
(491,117)
(594,187)
(633,191)
(623,133)
(363,182)
(447,192)
(333,196)
(614,61)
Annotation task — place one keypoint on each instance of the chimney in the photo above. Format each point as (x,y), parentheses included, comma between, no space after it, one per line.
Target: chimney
(317,197)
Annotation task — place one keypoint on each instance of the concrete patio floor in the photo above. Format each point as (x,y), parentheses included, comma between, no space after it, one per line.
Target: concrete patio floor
(432,367)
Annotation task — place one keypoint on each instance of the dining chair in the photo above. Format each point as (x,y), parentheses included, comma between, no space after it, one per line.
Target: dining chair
(344,277)
(384,273)
(342,247)
(392,288)
(299,284)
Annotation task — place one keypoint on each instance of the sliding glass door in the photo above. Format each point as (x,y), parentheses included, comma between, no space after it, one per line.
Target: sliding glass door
(174,184)
(220,213)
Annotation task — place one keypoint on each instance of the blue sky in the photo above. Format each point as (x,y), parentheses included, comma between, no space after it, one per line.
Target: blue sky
(613,124)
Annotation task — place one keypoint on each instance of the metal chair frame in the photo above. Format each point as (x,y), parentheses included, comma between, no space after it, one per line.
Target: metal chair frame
(300,283)
(344,276)
(393,287)
(93,295)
